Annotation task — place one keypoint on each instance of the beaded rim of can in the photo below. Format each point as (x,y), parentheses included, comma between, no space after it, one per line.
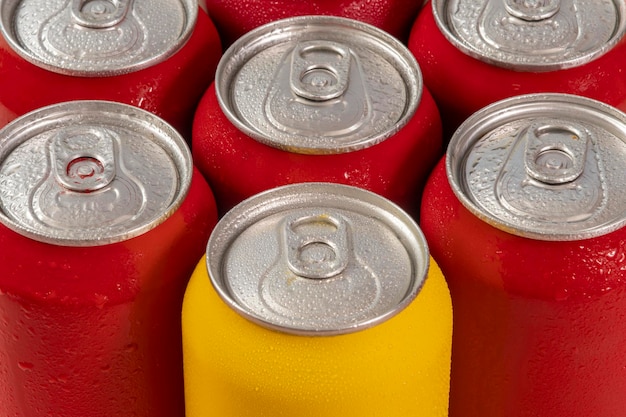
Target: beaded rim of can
(160,165)
(222,256)
(476,46)
(287,32)
(480,164)
(137,56)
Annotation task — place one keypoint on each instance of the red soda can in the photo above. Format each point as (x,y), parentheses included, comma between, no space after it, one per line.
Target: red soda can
(526,217)
(159,55)
(103,221)
(474,53)
(317,99)
(235,18)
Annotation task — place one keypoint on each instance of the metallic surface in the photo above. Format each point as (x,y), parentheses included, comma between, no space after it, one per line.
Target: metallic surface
(528,35)
(88,173)
(546,166)
(318,84)
(317,259)
(95,38)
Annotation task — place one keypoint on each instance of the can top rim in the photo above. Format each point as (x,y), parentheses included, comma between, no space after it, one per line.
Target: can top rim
(289,31)
(110,115)
(441,10)
(105,66)
(525,109)
(300,197)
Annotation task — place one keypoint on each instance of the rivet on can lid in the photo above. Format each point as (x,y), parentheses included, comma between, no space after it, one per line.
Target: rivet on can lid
(317,259)
(318,84)
(544,166)
(89,173)
(95,38)
(532,35)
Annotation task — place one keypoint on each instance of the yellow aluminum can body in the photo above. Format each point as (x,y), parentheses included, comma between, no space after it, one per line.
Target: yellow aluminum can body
(237,368)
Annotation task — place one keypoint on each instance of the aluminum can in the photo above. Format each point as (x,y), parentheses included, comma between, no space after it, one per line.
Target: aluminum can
(159,55)
(103,221)
(317,299)
(317,98)
(236,18)
(525,216)
(474,53)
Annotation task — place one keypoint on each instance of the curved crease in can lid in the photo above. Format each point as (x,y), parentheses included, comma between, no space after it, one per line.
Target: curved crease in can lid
(544,166)
(318,84)
(540,35)
(88,173)
(94,38)
(317,259)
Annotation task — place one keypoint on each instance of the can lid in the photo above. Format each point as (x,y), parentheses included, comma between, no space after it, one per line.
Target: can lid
(88,173)
(532,35)
(95,38)
(544,166)
(318,84)
(317,259)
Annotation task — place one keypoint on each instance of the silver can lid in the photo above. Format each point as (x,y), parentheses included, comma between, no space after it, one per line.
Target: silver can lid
(88,173)
(543,166)
(95,38)
(317,259)
(532,35)
(318,84)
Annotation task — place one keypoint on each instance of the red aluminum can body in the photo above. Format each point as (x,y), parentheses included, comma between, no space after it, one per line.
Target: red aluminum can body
(463,83)
(95,330)
(235,18)
(538,323)
(237,164)
(170,88)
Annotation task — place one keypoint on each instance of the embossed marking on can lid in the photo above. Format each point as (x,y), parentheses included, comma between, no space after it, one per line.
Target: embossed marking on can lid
(532,35)
(95,38)
(318,84)
(317,259)
(88,173)
(544,166)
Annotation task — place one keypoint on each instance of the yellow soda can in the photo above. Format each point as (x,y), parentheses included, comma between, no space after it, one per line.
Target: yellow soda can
(317,299)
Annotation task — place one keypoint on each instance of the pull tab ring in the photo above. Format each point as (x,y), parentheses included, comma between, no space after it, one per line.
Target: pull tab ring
(83,159)
(555,153)
(99,14)
(532,10)
(317,245)
(320,70)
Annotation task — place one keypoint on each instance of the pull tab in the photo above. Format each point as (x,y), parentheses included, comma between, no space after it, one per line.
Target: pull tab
(555,153)
(317,277)
(532,10)
(317,245)
(318,99)
(320,70)
(83,159)
(537,31)
(87,187)
(94,34)
(99,14)
(552,175)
